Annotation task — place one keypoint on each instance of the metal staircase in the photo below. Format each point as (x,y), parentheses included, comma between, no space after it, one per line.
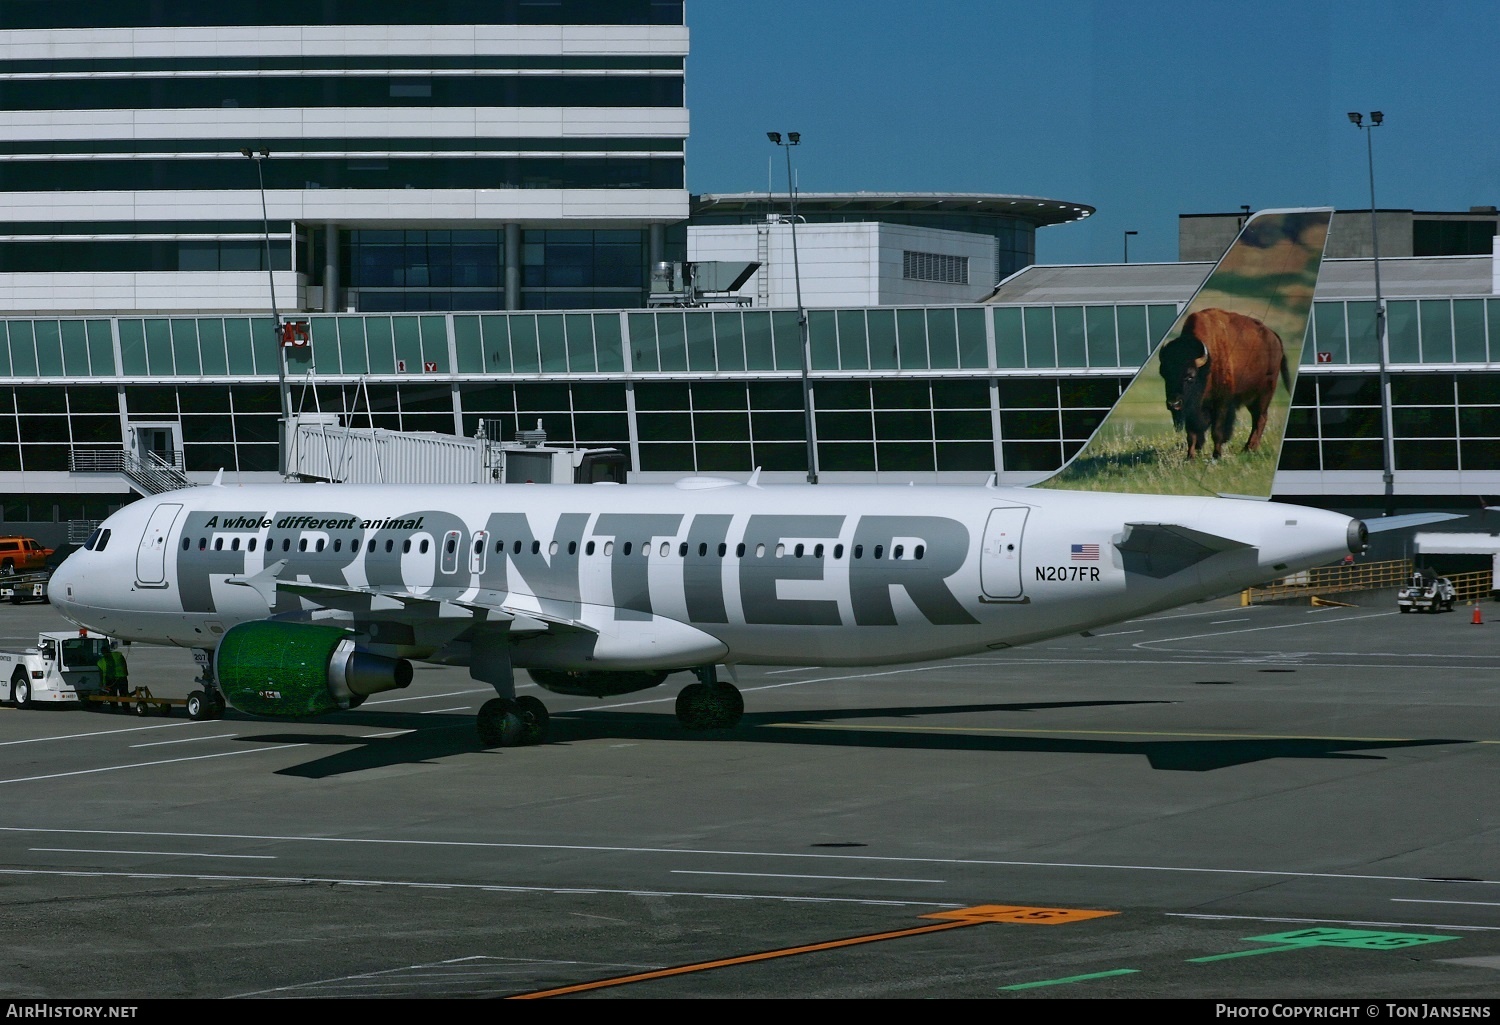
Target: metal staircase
(150,476)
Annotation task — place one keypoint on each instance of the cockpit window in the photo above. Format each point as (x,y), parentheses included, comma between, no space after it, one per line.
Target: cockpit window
(89,544)
(103,539)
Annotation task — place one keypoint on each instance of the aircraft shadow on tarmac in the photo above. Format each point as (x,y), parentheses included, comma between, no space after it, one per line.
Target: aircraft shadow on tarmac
(434,737)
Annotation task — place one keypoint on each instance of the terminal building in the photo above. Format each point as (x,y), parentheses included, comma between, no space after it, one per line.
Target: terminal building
(467,211)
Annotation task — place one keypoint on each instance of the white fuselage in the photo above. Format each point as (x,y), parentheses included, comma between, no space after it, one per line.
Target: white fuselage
(668,574)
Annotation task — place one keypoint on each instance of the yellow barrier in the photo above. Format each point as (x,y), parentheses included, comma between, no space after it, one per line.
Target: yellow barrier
(1346,577)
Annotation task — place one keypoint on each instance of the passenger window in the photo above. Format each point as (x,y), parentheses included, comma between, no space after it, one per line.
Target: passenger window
(552,548)
(423,549)
(838,551)
(739,550)
(818,552)
(572,547)
(666,548)
(797,552)
(202,543)
(879,551)
(536,548)
(185,543)
(302,544)
(919,551)
(516,548)
(321,542)
(760,551)
(390,543)
(896,552)
(234,545)
(626,549)
(609,547)
(859,551)
(251,545)
(682,550)
(780,549)
(338,544)
(286,544)
(723,549)
(588,549)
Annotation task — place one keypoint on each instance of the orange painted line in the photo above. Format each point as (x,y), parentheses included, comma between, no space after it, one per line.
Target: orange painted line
(701,966)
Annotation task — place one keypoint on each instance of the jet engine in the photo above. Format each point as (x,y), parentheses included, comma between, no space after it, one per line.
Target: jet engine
(297,669)
(595,683)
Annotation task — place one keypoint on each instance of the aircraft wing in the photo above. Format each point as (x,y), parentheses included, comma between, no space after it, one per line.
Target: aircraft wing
(1161,549)
(1381,523)
(489,606)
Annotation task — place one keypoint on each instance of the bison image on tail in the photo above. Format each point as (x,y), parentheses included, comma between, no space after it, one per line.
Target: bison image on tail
(1220,362)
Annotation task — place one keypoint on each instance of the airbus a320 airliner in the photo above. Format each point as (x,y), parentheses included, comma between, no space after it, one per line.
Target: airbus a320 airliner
(306,598)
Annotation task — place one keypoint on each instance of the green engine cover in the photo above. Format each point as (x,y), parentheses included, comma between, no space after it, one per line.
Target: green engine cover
(278,668)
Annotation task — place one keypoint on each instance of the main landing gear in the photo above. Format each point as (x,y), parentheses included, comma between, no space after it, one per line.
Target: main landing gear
(709,704)
(706,704)
(512,722)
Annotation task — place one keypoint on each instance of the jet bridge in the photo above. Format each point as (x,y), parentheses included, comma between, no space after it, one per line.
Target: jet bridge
(324,447)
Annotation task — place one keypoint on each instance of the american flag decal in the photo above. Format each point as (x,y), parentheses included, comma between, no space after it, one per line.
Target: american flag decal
(1085,553)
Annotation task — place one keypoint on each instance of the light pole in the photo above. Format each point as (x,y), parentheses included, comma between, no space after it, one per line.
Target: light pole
(1382,336)
(793,139)
(286,400)
(1127,244)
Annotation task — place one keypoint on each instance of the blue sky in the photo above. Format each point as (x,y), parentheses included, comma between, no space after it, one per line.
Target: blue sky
(1142,109)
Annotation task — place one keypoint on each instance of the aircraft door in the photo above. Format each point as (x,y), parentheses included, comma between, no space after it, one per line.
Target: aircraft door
(450,552)
(1000,561)
(151,556)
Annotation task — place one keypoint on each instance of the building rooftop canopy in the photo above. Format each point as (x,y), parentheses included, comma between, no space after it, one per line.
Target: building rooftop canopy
(1401,277)
(1039,211)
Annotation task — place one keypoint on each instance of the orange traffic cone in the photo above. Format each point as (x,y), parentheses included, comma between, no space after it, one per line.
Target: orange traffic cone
(1478,619)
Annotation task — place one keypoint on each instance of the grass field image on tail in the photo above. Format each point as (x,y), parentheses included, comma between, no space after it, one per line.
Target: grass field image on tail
(1207,412)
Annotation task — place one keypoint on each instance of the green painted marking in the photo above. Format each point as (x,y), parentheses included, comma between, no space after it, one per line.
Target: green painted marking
(1071,978)
(1302,939)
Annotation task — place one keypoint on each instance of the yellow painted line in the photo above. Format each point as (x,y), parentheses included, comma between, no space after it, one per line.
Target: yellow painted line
(1102,733)
(956,919)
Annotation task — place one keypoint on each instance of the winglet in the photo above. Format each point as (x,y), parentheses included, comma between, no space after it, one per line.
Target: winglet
(1231,355)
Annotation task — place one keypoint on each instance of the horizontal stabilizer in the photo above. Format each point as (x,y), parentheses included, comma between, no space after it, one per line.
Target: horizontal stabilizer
(1381,523)
(1162,549)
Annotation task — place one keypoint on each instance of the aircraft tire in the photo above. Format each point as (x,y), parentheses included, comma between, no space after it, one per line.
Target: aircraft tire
(500,724)
(694,706)
(534,714)
(20,689)
(704,707)
(731,705)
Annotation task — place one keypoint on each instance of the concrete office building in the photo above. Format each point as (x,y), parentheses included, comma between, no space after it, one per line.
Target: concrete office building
(458,154)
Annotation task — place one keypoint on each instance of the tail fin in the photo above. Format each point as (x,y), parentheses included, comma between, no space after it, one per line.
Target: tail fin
(1216,374)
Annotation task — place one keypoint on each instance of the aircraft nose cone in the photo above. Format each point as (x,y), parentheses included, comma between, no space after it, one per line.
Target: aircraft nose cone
(62,583)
